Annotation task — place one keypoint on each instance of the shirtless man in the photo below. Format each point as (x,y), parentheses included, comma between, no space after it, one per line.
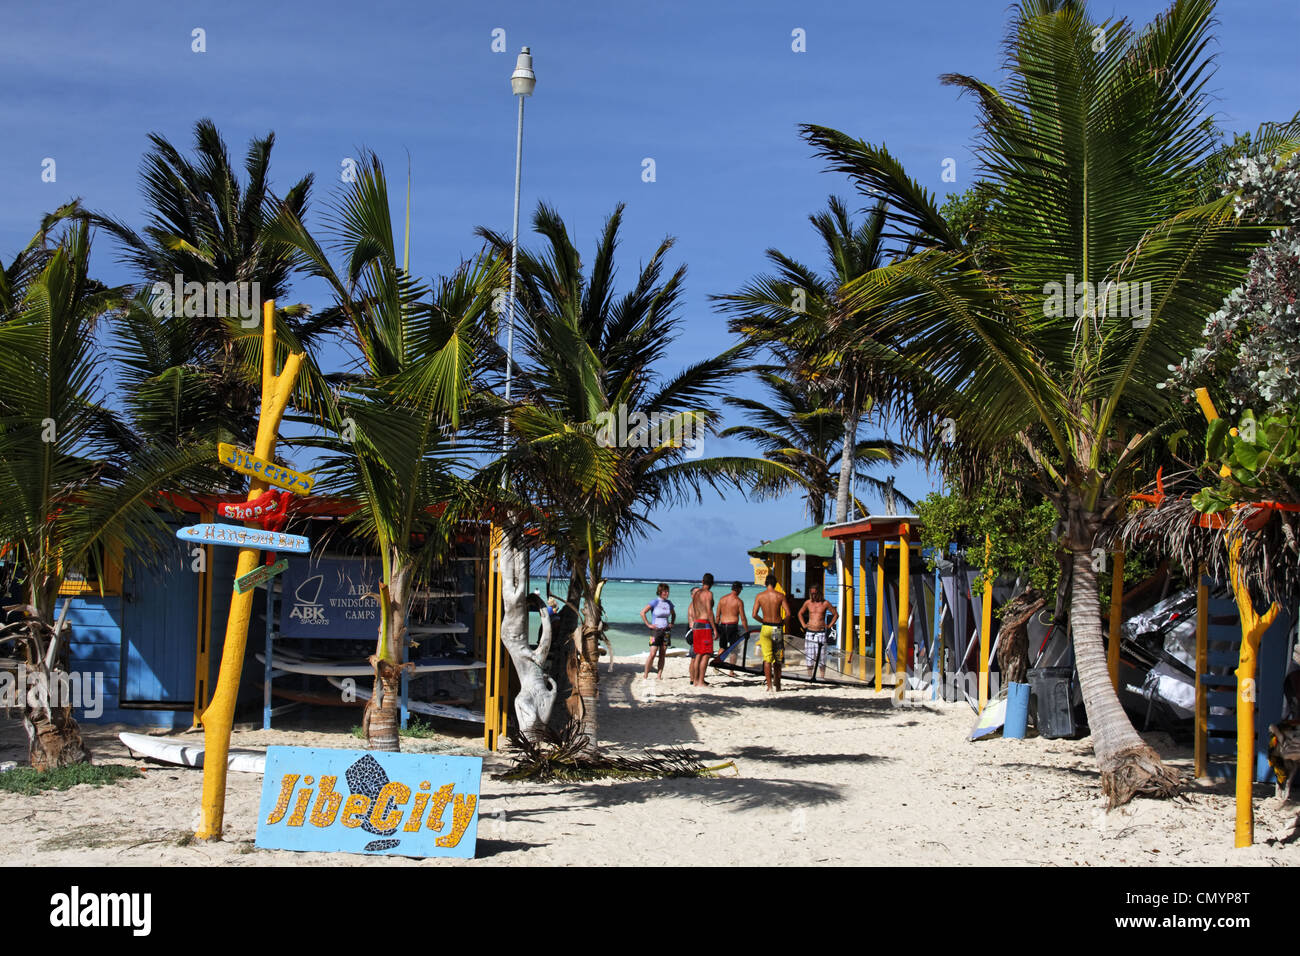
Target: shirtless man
(817,617)
(771,610)
(703,624)
(731,619)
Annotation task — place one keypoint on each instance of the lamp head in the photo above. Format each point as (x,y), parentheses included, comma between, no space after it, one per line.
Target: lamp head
(523,79)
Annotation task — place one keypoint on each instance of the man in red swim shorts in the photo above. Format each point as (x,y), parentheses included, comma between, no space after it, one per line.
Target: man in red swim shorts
(703,625)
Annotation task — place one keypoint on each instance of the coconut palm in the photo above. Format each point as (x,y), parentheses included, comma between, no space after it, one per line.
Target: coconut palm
(599,436)
(396,426)
(68,494)
(1094,147)
(802,426)
(205,226)
(796,309)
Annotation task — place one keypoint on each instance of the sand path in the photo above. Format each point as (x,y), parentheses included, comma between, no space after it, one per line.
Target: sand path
(827,775)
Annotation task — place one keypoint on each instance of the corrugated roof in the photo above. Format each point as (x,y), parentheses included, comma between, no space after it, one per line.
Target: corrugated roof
(810,540)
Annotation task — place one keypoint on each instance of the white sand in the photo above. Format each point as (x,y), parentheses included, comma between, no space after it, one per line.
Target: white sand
(826,775)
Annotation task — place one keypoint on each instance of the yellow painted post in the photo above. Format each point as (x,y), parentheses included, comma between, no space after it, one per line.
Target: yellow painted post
(1253,627)
(846,606)
(904,607)
(503,657)
(1199,762)
(202,650)
(219,716)
(986,623)
(1207,406)
(862,611)
(1116,617)
(880,618)
(492,685)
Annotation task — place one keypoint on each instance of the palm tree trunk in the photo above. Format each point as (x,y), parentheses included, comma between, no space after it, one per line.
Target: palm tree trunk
(381,719)
(844,494)
(1128,765)
(537,692)
(587,639)
(53,736)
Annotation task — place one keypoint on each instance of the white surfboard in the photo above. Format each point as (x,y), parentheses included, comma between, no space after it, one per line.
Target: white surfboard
(189,753)
(296,665)
(422,706)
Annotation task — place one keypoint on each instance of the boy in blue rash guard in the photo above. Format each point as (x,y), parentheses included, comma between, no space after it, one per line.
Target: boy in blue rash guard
(665,616)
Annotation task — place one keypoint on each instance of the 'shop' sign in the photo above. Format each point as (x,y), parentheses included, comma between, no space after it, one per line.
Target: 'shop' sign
(359,801)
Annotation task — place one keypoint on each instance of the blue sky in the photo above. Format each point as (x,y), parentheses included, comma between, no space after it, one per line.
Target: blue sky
(711,92)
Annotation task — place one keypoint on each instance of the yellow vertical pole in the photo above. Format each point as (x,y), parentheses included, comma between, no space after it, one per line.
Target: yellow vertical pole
(1253,627)
(503,660)
(1116,617)
(846,606)
(1199,762)
(880,617)
(862,611)
(492,683)
(904,606)
(219,716)
(986,623)
(202,651)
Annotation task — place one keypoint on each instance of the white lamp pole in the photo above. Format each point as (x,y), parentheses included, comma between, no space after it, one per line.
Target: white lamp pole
(522,82)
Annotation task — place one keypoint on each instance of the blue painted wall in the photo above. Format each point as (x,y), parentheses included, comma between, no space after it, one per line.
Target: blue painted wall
(144,644)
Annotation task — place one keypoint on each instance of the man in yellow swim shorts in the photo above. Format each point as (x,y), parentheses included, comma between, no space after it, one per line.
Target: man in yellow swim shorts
(772,610)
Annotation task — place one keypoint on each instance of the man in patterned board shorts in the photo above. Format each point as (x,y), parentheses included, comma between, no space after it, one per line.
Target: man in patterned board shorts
(771,610)
(731,622)
(817,617)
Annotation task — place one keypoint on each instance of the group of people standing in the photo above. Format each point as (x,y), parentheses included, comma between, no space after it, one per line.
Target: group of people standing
(771,612)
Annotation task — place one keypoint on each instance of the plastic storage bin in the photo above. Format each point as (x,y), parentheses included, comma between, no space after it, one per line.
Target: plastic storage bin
(1056,703)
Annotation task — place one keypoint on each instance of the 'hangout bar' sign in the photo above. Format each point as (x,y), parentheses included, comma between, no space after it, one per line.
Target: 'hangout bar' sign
(358,801)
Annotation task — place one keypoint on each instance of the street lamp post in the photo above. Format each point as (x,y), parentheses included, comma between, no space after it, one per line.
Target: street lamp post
(505,634)
(522,83)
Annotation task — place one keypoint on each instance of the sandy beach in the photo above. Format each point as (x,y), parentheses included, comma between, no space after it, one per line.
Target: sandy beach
(828,775)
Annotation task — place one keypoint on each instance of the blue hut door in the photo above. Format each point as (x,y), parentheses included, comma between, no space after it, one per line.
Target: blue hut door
(159,629)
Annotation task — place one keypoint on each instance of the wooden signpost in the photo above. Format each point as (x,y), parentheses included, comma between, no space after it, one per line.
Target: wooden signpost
(238,536)
(257,466)
(219,716)
(266,505)
(260,575)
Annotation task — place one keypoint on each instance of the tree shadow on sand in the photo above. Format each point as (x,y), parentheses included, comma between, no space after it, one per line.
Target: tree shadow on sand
(737,793)
(773,755)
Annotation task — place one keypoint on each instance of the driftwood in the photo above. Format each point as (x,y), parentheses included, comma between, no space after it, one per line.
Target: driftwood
(537,691)
(1013,640)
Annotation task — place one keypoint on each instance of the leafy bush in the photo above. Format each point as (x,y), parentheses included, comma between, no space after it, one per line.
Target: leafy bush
(1256,460)
(29,782)
(1252,344)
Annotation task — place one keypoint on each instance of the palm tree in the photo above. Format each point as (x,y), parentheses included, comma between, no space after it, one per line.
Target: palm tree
(1094,149)
(802,426)
(796,308)
(394,424)
(68,494)
(599,437)
(205,226)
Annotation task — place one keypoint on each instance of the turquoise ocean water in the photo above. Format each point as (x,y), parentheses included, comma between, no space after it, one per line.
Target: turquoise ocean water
(624,598)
